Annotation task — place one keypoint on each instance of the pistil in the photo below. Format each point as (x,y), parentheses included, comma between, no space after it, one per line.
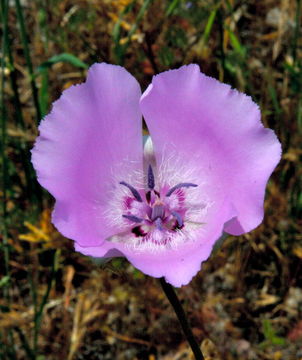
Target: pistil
(155,212)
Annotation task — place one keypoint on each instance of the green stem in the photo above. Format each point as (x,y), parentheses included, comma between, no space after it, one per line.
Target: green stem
(24,153)
(297,30)
(6,254)
(39,309)
(4,17)
(179,311)
(30,354)
(221,40)
(25,42)
(120,50)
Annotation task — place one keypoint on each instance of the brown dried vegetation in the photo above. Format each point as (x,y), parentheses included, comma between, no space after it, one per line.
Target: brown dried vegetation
(246,302)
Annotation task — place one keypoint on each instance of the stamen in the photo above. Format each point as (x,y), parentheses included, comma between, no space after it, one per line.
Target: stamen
(178,186)
(159,224)
(134,192)
(178,218)
(158,211)
(133,218)
(151,182)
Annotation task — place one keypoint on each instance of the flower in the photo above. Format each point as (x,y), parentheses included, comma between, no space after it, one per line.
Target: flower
(202,171)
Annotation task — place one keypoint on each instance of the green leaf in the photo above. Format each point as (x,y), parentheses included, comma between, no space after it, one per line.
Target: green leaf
(209,26)
(64,57)
(270,335)
(274,96)
(236,44)
(166,56)
(4,281)
(268,330)
(276,340)
(43,92)
(172,7)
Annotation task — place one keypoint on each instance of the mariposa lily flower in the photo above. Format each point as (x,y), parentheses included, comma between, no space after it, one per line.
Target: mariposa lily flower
(162,205)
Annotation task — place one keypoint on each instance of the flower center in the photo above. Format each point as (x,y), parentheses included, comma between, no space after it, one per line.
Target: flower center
(155,210)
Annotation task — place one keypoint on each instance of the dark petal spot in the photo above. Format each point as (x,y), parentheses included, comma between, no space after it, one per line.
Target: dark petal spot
(138,231)
(179,186)
(134,192)
(148,196)
(177,227)
(157,193)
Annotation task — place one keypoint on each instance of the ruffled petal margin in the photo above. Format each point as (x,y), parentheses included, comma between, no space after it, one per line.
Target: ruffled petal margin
(92,129)
(196,114)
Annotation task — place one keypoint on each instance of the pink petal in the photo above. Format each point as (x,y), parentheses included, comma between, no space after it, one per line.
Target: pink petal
(104,251)
(221,128)
(93,130)
(179,266)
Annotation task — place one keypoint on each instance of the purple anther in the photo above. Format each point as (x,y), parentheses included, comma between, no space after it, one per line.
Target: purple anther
(151,182)
(133,218)
(158,211)
(178,186)
(134,192)
(178,218)
(159,224)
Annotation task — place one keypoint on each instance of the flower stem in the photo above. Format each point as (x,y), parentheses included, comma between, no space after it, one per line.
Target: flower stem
(174,301)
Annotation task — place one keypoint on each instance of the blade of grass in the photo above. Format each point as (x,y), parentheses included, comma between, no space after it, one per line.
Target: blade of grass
(299,113)
(138,19)
(221,41)
(25,43)
(39,309)
(209,25)
(43,69)
(295,59)
(202,42)
(236,43)
(43,8)
(116,34)
(32,186)
(120,50)
(11,353)
(30,354)
(4,18)
(297,30)
(14,85)
(173,5)
(33,293)
(273,94)
(43,93)
(10,350)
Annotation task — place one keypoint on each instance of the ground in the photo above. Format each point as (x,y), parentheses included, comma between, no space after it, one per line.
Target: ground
(246,302)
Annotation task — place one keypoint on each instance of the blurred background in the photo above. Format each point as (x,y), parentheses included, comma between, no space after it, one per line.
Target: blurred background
(246,302)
